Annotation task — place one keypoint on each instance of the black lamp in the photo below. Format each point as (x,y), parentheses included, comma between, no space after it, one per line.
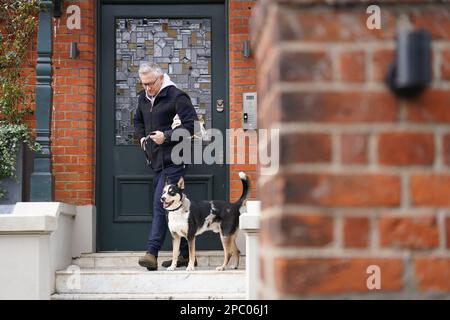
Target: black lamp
(410,72)
(247,49)
(73,54)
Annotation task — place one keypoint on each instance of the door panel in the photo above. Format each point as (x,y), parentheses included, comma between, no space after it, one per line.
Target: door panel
(188,41)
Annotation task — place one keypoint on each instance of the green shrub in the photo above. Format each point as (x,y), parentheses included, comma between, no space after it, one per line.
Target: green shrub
(18,23)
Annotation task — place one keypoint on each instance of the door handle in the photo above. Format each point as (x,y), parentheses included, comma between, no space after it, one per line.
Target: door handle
(219,105)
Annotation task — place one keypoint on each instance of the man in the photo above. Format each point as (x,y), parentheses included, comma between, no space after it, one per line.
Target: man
(158,104)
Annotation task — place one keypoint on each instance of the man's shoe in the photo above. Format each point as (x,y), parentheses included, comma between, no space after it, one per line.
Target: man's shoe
(149,261)
(182,262)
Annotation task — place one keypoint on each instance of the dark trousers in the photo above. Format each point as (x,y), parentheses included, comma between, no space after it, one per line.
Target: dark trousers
(159,223)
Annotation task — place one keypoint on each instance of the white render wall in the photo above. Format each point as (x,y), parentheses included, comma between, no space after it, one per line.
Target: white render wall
(249,223)
(84,231)
(37,239)
(23,271)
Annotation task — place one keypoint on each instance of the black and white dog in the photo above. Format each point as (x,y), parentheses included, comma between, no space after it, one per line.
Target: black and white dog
(189,219)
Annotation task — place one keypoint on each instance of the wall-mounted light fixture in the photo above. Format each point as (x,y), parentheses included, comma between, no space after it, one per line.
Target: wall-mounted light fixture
(410,72)
(247,49)
(57,8)
(73,50)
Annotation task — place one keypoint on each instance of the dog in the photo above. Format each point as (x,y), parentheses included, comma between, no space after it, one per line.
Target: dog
(189,219)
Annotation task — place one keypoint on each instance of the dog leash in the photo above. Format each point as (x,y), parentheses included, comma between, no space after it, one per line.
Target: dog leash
(147,159)
(165,182)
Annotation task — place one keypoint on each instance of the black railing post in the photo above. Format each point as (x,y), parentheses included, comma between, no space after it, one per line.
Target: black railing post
(41,184)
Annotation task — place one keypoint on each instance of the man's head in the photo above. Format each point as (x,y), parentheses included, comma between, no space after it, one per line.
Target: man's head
(151,77)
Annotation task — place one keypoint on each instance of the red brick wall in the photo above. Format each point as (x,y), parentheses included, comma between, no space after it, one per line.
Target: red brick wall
(364,176)
(73,123)
(242,73)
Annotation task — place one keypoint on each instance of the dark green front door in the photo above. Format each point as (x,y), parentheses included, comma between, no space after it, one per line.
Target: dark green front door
(189,42)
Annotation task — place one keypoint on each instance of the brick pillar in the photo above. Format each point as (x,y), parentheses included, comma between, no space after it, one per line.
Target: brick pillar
(73,131)
(242,77)
(364,176)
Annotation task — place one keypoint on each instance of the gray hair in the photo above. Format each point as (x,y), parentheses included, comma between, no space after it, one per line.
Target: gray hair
(147,67)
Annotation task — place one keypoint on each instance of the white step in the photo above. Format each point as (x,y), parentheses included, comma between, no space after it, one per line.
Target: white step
(147,296)
(117,259)
(117,275)
(140,281)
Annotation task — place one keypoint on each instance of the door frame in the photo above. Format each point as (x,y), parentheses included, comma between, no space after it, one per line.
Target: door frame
(98,72)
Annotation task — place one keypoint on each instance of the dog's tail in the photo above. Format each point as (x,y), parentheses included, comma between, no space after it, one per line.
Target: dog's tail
(245,188)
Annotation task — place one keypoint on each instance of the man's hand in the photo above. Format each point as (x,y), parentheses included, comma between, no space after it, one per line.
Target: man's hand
(158,137)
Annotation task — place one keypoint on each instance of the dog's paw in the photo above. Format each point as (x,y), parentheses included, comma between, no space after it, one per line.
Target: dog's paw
(190,268)
(171,268)
(220,268)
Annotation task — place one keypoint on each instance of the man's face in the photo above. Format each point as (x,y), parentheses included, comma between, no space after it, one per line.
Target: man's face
(151,83)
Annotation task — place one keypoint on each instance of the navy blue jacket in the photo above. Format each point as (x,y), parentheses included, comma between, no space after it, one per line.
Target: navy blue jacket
(169,102)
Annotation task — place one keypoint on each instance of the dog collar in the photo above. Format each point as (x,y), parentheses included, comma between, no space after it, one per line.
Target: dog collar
(176,208)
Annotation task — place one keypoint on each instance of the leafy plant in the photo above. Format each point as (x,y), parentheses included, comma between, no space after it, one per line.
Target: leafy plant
(11,137)
(18,23)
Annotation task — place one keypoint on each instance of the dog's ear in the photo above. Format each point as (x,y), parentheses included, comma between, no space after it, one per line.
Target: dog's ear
(180,183)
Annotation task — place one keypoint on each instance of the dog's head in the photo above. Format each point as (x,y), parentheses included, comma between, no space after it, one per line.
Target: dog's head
(172,194)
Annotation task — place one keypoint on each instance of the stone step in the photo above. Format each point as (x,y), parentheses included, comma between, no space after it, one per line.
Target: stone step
(140,281)
(147,296)
(126,259)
